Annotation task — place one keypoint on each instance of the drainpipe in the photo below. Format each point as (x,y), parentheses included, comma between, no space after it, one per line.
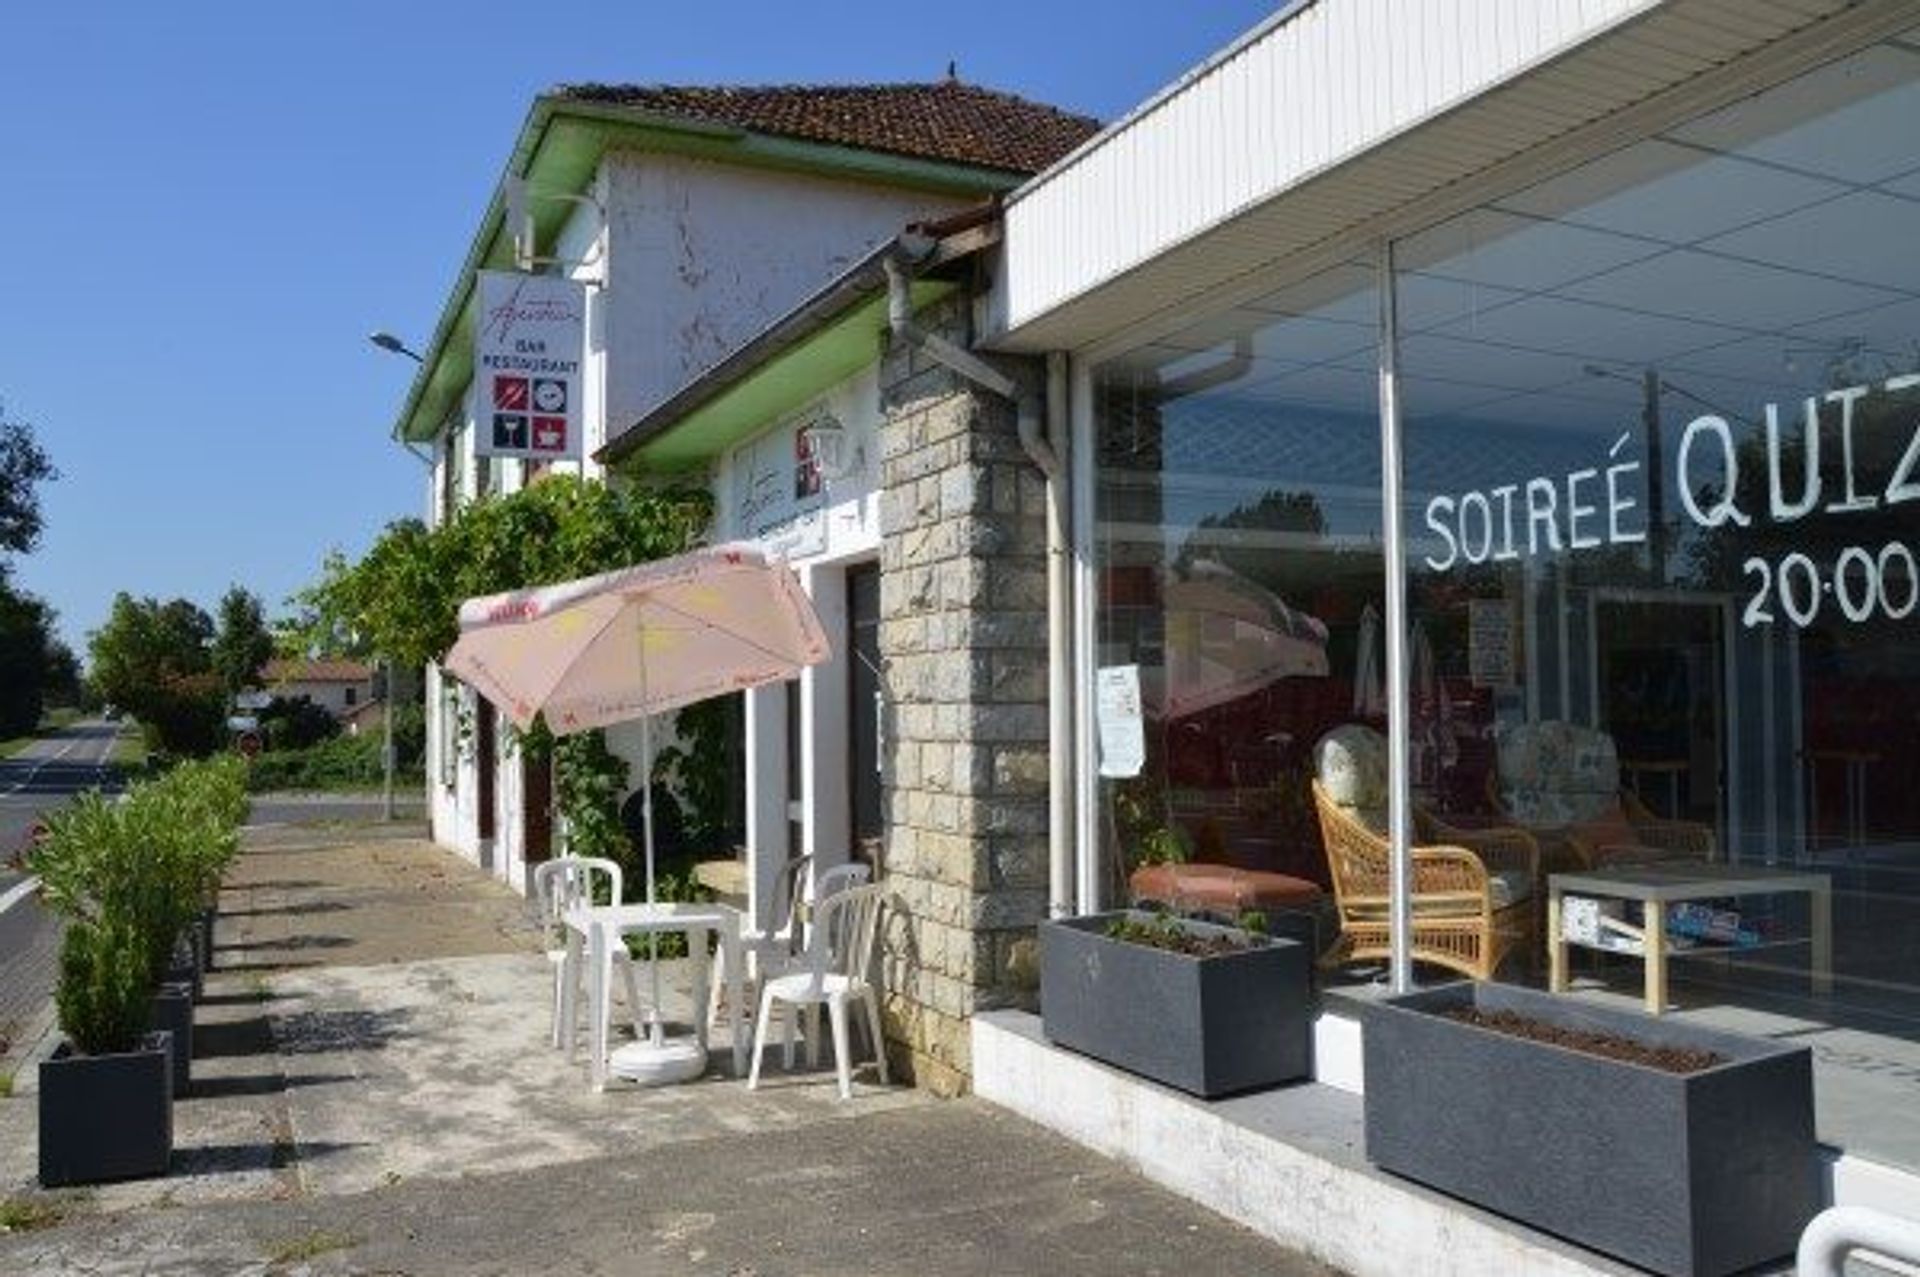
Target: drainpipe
(971,366)
(1060,683)
(1031,411)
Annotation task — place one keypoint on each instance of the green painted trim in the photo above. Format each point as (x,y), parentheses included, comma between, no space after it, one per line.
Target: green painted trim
(560,147)
(786,382)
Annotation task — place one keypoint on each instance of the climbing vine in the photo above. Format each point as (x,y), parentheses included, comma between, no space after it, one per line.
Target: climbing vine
(402,600)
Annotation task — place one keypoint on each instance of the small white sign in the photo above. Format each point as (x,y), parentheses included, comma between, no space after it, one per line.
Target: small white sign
(778,496)
(1490,654)
(1123,741)
(529,342)
(253,700)
(243,723)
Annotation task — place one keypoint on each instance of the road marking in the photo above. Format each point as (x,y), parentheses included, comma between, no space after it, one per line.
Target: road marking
(68,748)
(19,891)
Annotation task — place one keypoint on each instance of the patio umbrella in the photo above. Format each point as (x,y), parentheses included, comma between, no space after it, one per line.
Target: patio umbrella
(637,642)
(1227,636)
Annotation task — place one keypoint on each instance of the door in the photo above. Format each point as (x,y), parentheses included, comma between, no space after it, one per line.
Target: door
(1661,683)
(865,723)
(536,804)
(484,750)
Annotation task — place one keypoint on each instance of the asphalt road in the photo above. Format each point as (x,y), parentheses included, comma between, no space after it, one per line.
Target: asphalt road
(43,777)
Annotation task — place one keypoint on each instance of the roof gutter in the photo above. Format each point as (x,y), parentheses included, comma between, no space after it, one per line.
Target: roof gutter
(612,125)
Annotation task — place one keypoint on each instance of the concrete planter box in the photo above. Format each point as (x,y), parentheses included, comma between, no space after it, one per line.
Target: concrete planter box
(1697,1174)
(1209,1026)
(173,1015)
(105,1117)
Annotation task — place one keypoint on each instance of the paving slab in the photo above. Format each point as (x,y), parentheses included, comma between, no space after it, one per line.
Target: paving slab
(374,1091)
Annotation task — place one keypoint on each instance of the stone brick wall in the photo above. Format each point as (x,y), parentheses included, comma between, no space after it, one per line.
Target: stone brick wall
(963,636)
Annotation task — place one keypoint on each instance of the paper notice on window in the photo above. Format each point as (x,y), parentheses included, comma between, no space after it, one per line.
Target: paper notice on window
(1490,655)
(1123,742)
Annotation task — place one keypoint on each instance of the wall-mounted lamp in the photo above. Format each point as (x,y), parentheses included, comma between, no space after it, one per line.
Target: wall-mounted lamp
(830,448)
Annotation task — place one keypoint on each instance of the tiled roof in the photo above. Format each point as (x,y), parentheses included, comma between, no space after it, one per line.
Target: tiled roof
(279,671)
(946,120)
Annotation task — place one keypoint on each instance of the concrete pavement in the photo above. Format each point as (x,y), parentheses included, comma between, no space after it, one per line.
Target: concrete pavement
(374,1093)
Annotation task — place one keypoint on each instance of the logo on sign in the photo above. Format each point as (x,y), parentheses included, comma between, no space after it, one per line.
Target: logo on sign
(509,430)
(510,393)
(550,434)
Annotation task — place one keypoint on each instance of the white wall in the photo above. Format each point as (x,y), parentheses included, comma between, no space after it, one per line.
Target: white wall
(841,527)
(695,258)
(705,255)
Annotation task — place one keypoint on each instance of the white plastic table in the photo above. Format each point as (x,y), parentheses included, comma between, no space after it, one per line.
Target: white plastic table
(1659,884)
(599,927)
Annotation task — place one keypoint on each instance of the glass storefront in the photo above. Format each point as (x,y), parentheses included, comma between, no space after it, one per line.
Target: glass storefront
(1661,440)
(1237,521)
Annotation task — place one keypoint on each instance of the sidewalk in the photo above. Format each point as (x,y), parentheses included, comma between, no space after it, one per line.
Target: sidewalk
(373,1092)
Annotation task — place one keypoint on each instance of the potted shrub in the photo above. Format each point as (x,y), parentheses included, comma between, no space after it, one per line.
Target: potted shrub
(1209,1009)
(106,1106)
(1676,1148)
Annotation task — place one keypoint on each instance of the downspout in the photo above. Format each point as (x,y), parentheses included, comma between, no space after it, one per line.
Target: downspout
(1060,681)
(1032,411)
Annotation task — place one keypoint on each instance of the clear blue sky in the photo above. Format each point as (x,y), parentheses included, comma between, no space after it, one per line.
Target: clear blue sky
(205,207)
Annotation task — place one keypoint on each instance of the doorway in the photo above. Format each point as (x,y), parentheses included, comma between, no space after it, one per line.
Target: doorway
(1660,678)
(866,703)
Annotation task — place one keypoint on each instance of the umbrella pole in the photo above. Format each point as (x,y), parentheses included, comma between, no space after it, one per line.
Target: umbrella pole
(656,1030)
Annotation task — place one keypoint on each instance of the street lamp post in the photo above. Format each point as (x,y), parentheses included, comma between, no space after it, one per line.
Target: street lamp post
(393,345)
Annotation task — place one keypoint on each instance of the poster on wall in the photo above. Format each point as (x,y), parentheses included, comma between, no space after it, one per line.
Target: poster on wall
(1123,740)
(778,498)
(1490,656)
(528,346)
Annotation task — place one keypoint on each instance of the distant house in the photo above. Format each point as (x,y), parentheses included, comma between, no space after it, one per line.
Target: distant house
(339,687)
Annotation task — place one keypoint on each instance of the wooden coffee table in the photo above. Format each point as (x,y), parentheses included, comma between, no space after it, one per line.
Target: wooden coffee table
(1660,884)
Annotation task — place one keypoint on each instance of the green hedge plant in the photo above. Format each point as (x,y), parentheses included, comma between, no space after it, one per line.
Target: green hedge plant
(130,875)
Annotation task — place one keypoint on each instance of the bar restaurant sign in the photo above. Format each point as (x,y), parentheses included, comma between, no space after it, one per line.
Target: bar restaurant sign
(529,343)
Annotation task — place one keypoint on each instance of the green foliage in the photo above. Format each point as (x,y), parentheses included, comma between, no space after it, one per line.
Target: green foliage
(702,771)
(26,648)
(24,466)
(129,876)
(403,598)
(242,642)
(1163,845)
(589,781)
(1164,931)
(342,763)
(296,723)
(104,987)
(155,660)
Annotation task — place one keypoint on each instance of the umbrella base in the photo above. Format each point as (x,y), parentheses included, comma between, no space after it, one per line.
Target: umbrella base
(658,1063)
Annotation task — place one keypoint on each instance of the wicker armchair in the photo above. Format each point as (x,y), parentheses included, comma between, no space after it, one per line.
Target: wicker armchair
(1470,908)
(1562,781)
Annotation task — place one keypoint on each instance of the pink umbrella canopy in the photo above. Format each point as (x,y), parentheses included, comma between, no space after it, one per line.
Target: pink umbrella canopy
(640,640)
(1226,637)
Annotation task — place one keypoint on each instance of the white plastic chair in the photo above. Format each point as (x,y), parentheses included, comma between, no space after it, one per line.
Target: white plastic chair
(558,885)
(768,953)
(835,970)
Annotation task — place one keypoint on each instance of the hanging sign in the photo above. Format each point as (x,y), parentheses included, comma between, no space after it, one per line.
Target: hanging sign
(529,343)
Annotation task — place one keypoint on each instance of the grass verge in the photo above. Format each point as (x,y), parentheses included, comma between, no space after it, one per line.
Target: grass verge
(24,1214)
(310,1245)
(129,750)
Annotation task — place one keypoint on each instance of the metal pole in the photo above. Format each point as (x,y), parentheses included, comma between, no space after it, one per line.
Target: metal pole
(1399,801)
(386,747)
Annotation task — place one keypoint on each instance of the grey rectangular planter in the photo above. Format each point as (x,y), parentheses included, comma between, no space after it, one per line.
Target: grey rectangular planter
(105,1117)
(1697,1175)
(1209,1026)
(173,1014)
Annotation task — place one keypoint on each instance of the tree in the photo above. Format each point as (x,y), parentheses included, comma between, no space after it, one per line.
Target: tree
(24,466)
(242,642)
(156,660)
(61,686)
(26,626)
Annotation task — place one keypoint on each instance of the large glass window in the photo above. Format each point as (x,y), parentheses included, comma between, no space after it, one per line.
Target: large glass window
(1239,577)
(1662,437)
